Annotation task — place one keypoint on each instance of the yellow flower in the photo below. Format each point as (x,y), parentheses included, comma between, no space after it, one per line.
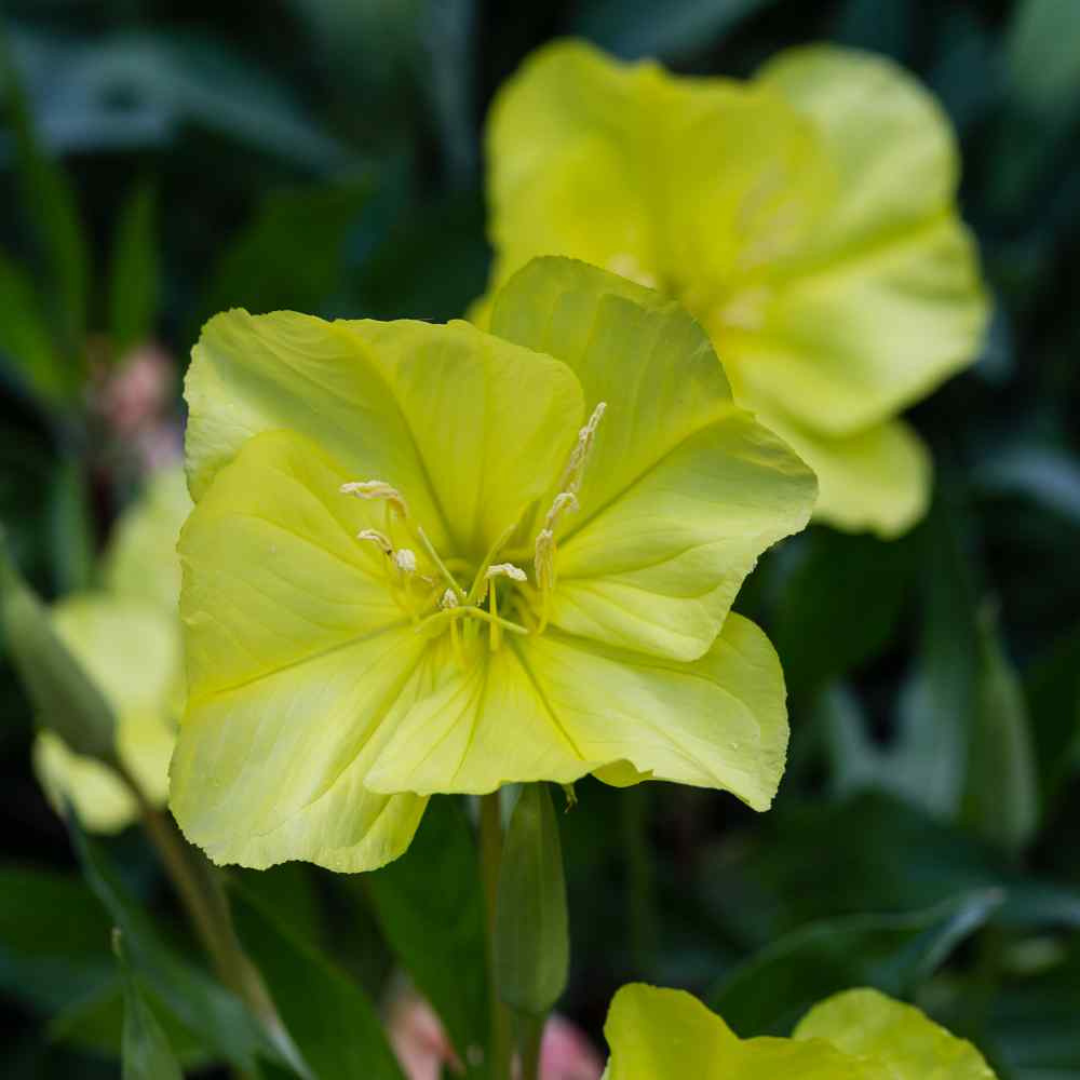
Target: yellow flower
(127,638)
(432,559)
(807,218)
(659,1034)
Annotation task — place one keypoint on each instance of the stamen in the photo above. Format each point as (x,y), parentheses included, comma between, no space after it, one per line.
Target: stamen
(574,472)
(377,489)
(565,500)
(515,573)
(449,600)
(405,560)
(434,556)
(376,537)
(544,565)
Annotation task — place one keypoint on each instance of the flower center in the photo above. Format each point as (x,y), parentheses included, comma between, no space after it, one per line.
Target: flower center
(455,596)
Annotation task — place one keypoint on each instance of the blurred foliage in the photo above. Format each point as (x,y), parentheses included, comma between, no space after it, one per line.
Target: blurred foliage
(161,161)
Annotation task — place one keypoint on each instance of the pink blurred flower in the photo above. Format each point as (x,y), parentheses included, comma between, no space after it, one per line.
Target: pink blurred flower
(422,1047)
(138,392)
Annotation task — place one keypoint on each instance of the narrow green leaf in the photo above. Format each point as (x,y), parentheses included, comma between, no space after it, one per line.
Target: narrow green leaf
(639,28)
(146,1051)
(293,228)
(71,525)
(892,953)
(1001,802)
(134,279)
(836,572)
(26,341)
(1053,687)
(335,1026)
(1041,54)
(203,1006)
(54,939)
(48,198)
(63,695)
(532,936)
(430,908)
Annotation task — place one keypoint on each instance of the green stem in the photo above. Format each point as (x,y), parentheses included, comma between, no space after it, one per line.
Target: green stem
(530,1036)
(640,891)
(491,842)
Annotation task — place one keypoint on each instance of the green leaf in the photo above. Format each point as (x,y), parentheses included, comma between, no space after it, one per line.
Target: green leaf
(639,28)
(335,1026)
(1042,57)
(1001,802)
(26,339)
(63,696)
(146,1051)
(892,953)
(134,278)
(96,1024)
(54,939)
(290,255)
(1053,687)
(430,907)
(532,935)
(839,573)
(197,1001)
(49,200)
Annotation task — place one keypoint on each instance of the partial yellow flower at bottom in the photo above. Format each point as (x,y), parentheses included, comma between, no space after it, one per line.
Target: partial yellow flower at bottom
(657,1034)
(807,218)
(431,559)
(127,638)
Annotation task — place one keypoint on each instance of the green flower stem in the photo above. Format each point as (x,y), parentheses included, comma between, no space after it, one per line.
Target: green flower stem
(530,1035)
(199,887)
(640,891)
(491,841)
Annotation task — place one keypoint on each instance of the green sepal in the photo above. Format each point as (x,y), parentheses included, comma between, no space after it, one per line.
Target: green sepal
(532,937)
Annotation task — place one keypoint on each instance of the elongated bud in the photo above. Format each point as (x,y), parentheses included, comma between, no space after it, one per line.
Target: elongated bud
(64,697)
(532,937)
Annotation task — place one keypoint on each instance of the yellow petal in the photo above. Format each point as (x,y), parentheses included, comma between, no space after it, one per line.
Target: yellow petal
(657,1034)
(879,479)
(885,300)
(565,151)
(906,1043)
(555,707)
(682,491)
(141,562)
(463,425)
(132,652)
(102,801)
(296,654)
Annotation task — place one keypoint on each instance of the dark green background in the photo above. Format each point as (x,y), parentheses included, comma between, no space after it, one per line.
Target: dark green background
(326,156)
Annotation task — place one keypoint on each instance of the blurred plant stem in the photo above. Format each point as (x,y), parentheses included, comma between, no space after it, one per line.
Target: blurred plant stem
(640,886)
(530,1036)
(491,844)
(199,888)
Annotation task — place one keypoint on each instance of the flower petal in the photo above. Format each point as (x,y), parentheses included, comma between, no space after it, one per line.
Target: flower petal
(296,655)
(469,429)
(102,801)
(563,153)
(877,479)
(141,561)
(886,301)
(682,491)
(907,1044)
(555,707)
(657,1034)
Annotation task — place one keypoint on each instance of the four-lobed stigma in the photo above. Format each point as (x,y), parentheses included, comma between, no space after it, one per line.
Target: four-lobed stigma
(500,596)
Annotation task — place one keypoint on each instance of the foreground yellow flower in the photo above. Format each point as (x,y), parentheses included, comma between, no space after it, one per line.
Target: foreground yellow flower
(127,638)
(807,218)
(659,1034)
(432,559)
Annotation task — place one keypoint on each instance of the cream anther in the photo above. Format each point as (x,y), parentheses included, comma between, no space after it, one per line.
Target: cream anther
(449,599)
(574,472)
(406,560)
(515,573)
(376,537)
(376,489)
